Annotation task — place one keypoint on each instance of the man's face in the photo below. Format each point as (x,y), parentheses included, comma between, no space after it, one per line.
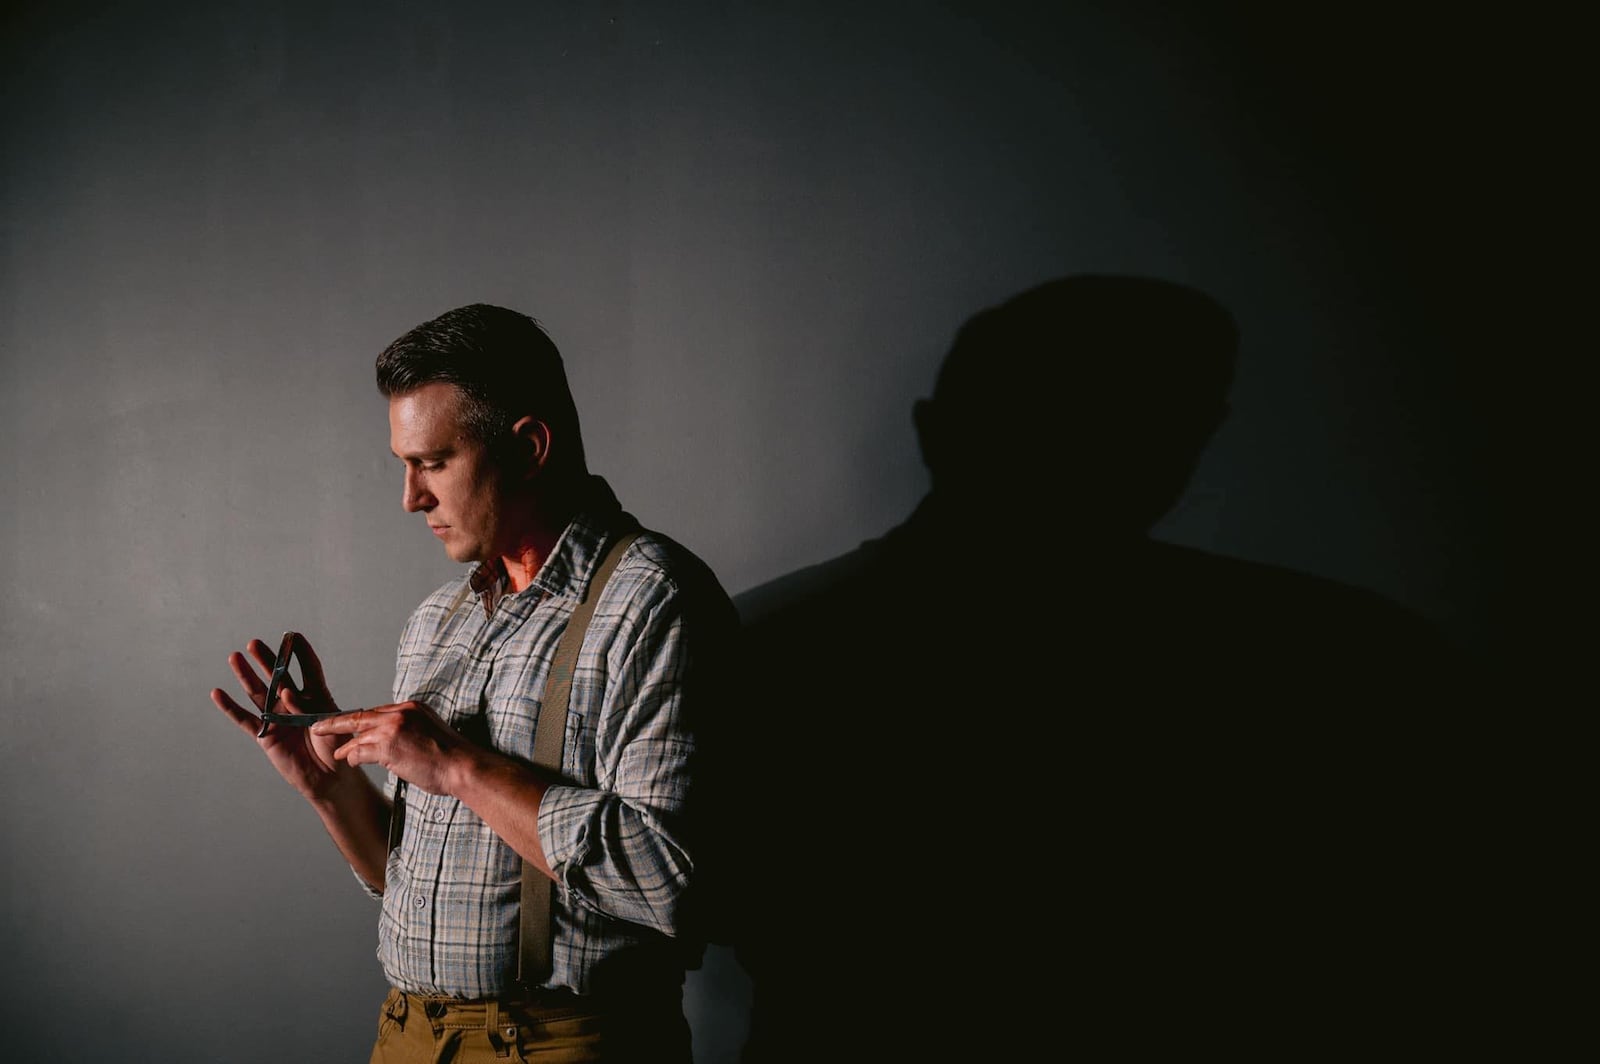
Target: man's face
(449,477)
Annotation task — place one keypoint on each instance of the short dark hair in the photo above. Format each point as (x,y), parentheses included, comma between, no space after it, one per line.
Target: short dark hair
(505,365)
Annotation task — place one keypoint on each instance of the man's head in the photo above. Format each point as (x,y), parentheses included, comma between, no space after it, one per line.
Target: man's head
(1090,395)
(505,366)
(481,414)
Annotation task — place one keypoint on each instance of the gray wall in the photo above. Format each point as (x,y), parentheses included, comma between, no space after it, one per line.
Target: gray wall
(752,232)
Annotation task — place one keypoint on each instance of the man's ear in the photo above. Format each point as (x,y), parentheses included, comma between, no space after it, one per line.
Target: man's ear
(533,445)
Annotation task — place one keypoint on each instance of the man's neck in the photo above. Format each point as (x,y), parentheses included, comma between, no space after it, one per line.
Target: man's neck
(543,530)
(524,564)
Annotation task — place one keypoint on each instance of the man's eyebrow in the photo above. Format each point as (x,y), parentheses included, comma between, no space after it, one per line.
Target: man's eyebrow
(442,452)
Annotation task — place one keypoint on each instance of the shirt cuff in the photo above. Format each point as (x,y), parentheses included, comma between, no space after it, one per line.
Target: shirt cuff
(372,892)
(564,814)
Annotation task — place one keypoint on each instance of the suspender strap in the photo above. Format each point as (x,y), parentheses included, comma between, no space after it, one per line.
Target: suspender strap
(533,954)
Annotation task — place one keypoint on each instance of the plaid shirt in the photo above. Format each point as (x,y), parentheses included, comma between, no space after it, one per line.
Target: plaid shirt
(614,831)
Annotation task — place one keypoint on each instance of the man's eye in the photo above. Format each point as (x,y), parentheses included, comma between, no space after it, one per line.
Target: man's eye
(432,467)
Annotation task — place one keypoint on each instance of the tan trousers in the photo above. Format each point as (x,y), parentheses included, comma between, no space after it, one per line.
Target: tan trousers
(421,1030)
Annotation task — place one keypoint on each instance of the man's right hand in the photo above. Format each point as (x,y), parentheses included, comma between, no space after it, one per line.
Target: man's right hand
(305,760)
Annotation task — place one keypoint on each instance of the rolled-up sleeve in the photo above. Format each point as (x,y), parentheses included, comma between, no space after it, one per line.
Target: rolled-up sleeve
(620,848)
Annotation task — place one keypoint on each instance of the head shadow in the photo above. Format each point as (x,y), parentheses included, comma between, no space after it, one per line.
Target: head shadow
(1089,397)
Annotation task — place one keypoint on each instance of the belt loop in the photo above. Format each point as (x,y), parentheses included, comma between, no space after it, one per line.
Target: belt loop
(395,1007)
(502,1034)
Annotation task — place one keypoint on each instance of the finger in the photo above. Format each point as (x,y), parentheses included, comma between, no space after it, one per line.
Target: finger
(265,656)
(360,750)
(291,699)
(241,716)
(351,723)
(253,685)
(268,659)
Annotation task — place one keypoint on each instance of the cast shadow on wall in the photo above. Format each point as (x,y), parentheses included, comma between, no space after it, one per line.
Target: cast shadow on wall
(1015,770)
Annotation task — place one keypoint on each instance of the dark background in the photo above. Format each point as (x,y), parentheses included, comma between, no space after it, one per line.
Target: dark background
(753,230)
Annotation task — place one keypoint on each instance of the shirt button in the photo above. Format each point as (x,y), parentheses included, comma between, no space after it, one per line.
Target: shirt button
(438,816)
(419,901)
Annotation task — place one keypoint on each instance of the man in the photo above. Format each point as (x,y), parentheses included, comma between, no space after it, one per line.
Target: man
(482,419)
(1079,789)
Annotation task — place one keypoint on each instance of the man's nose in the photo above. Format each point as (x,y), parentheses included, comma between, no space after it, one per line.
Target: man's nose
(414,496)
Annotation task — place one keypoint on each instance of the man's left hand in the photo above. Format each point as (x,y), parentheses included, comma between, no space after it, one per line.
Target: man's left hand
(407,738)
